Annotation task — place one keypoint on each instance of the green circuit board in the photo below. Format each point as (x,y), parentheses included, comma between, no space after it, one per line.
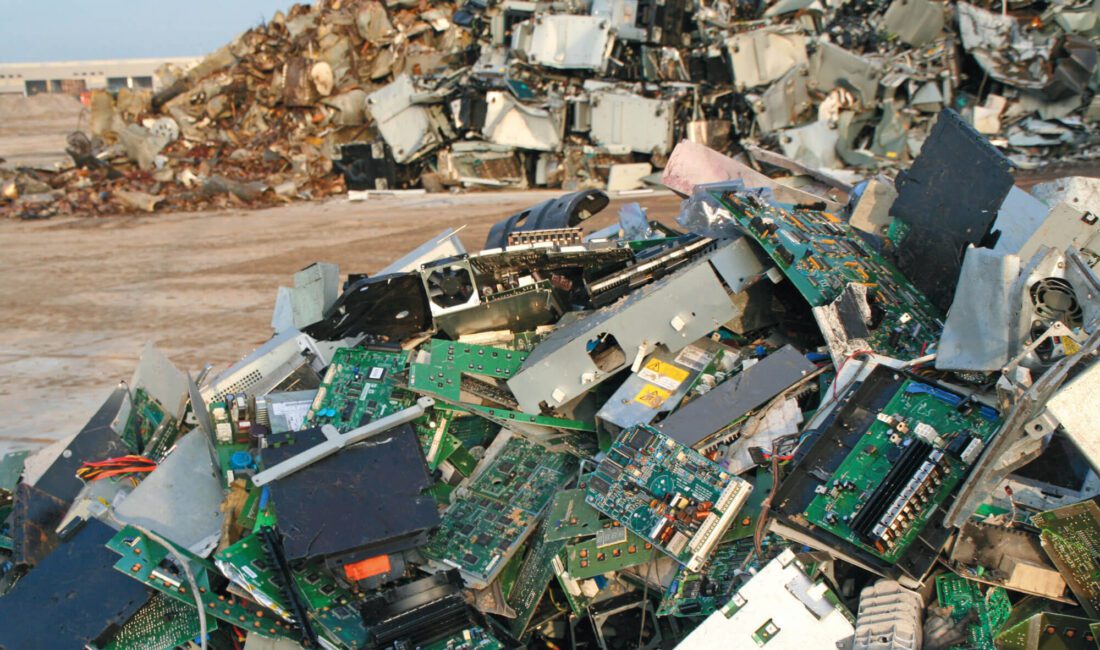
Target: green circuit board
(450,361)
(883,513)
(161,624)
(964,597)
(1049,631)
(821,255)
(474,638)
(144,560)
(667,493)
(358,388)
(11,468)
(1070,535)
(331,607)
(484,527)
(614,548)
(570,516)
(700,594)
(439,444)
(532,580)
(149,430)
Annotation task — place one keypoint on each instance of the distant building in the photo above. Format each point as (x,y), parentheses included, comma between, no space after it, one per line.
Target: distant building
(76,77)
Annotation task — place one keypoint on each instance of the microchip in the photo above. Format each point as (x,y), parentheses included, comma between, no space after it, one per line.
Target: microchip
(610,469)
(598,485)
(483,540)
(506,466)
(376,373)
(610,536)
(343,611)
(327,590)
(640,439)
(504,544)
(466,529)
(470,559)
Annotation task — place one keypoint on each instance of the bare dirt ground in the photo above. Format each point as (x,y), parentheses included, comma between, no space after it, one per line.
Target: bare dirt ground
(80,297)
(33,129)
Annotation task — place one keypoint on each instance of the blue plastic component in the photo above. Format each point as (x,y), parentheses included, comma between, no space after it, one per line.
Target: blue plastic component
(240,460)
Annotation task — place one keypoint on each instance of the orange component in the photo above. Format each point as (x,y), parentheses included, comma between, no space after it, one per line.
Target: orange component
(701,514)
(368,568)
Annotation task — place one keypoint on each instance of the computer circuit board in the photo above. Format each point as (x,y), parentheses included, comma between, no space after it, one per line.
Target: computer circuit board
(358,388)
(1049,631)
(332,607)
(667,493)
(570,516)
(149,430)
(821,255)
(488,522)
(989,612)
(1070,535)
(161,624)
(148,562)
(531,581)
(907,463)
(613,548)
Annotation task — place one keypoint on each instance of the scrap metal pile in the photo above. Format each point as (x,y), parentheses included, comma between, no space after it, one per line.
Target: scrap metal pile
(809,416)
(379,96)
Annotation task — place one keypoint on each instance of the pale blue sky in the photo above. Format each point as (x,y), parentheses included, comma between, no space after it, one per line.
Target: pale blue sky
(64,30)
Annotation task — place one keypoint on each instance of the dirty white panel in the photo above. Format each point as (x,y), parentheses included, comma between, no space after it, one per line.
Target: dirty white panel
(509,122)
(406,127)
(1077,408)
(763,56)
(625,122)
(565,41)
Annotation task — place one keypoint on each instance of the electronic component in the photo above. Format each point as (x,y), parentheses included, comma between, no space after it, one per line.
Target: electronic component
(485,526)
(863,483)
(1049,631)
(415,614)
(701,593)
(531,581)
(153,565)
(780,608)
(613,549)
(822,255)
(695,422)
(667,493)
(987,613)
(1071,537)
(357,388)
(570,516)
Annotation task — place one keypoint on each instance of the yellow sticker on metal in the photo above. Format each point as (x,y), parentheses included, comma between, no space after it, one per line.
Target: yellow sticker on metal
(663,373)
(652,396)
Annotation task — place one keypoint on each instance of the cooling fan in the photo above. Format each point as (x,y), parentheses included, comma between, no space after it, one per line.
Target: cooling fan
(1055,300)
(450,287)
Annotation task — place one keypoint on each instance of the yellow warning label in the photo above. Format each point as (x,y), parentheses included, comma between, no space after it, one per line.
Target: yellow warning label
(663,374)
(1069,345)
(652,396)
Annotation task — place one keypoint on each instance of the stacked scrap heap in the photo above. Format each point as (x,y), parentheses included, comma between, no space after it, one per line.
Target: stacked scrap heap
(366,95)
(809,415)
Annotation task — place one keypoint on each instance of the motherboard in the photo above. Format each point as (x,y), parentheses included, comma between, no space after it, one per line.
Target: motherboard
(1071,537)
(908,462)
(357,388)
(821,255)
(668,494)
(487,524)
